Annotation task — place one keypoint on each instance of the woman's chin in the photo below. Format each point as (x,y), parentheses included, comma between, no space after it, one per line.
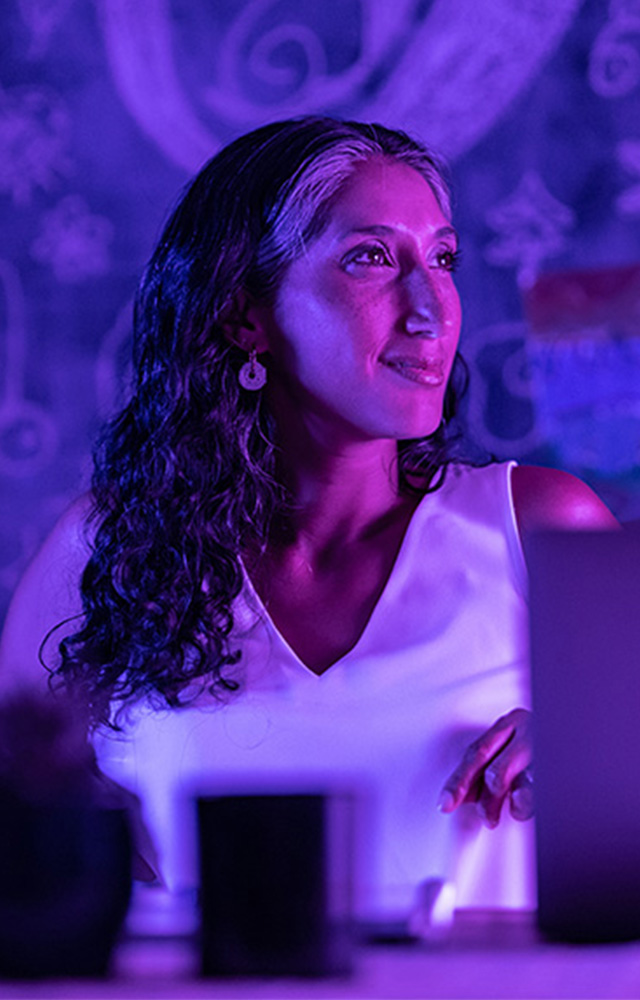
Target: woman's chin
(420,428)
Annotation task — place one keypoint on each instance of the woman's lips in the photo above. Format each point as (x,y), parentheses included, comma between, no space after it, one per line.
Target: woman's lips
(424,371)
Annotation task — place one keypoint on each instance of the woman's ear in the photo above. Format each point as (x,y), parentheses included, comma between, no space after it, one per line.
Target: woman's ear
(244,325)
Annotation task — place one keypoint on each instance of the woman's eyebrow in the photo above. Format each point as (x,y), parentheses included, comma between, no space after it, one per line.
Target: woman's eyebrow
(375,230)
(383,230)
(447,231)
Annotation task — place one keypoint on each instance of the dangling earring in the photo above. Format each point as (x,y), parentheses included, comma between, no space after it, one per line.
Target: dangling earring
(252,375)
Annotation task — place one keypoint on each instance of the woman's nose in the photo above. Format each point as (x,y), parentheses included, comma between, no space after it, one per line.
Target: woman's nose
(421,322)
(424,307)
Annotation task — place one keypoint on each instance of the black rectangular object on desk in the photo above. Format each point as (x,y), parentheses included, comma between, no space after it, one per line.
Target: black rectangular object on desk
(275,884)
(585,662)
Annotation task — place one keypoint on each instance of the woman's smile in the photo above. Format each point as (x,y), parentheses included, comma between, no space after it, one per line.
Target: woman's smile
(423,371)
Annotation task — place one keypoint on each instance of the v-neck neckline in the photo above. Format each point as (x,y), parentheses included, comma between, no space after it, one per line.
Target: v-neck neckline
(262,610)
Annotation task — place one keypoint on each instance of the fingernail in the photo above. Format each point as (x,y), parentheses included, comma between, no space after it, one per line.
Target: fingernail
(482,813)
(491,781)
(446,802)
(521,803)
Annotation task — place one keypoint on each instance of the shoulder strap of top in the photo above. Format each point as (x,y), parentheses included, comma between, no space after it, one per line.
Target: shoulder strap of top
(484,494)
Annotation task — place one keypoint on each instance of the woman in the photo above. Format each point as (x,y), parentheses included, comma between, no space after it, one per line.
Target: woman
(287,569)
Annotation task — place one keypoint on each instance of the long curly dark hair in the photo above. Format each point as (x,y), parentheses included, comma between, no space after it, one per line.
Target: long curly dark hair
(185,476)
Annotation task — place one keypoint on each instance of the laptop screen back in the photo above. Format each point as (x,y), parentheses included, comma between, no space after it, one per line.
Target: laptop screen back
(585,650)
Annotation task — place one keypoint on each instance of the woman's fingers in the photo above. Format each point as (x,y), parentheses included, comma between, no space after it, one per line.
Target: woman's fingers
(469,775)
(521,801)
(492,768)
(506,766)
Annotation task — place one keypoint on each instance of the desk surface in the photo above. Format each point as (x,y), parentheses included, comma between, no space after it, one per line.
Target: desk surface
(485,955)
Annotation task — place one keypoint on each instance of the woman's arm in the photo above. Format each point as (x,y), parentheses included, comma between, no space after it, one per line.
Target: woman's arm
(47,596)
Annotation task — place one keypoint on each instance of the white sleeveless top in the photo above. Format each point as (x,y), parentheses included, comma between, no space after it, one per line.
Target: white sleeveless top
(443,655)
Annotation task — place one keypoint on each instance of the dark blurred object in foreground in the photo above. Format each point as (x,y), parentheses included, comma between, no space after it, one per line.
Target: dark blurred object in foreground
(65,858)
(276,884)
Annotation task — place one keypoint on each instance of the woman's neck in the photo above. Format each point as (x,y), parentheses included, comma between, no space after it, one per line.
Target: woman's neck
(340,494)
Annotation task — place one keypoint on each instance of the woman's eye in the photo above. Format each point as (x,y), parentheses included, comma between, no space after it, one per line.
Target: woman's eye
(372,256)
(448,259)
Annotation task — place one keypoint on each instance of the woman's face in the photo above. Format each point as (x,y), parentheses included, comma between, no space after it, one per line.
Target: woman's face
(364,327)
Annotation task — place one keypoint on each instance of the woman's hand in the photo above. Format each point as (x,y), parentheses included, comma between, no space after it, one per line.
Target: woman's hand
(495,767)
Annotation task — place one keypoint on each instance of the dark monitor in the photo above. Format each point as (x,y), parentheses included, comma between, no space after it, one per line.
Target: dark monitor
(585,652)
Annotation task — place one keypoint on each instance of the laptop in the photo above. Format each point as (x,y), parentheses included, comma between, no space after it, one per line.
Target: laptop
(585,662)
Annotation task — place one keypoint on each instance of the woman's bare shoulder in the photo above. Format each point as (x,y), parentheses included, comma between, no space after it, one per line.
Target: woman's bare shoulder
(73,531)
(47,595)
(550,498)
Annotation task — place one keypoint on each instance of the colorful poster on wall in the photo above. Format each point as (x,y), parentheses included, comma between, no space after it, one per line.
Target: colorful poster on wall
(584,351)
